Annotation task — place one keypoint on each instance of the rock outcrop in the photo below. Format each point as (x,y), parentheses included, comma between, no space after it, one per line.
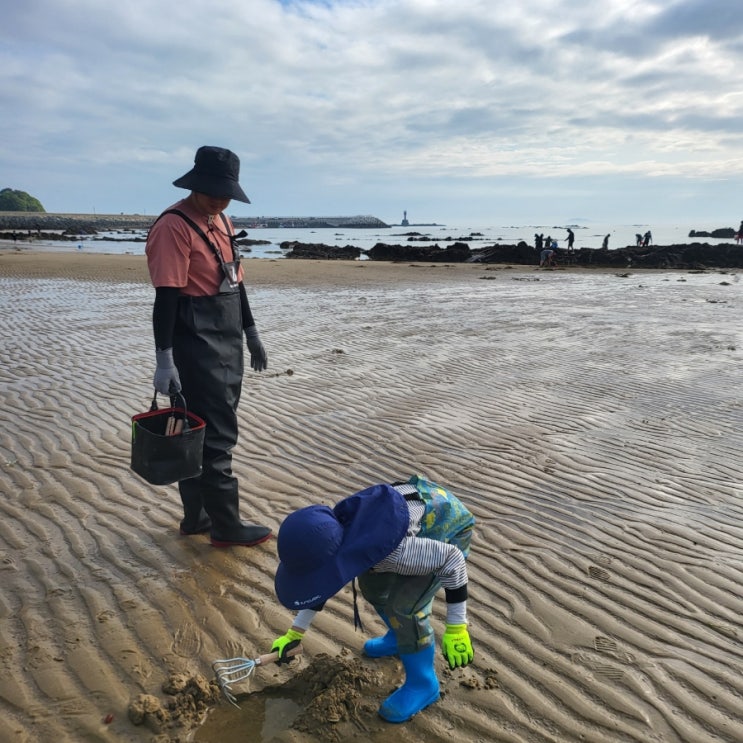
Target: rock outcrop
(320,251)
(681,256)
(685,256)
(724,233)
(455,253)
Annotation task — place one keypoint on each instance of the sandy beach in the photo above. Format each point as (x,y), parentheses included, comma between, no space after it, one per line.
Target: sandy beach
(590,419)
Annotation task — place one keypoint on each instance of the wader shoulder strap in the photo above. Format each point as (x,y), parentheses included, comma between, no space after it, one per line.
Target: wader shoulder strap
(193,225)
(202,234)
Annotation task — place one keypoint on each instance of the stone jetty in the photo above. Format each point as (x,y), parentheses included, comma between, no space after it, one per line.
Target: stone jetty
(89,223)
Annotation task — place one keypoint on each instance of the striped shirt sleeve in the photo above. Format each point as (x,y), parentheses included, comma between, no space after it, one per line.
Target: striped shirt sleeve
(421,556)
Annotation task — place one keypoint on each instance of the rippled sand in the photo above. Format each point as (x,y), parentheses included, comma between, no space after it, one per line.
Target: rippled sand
(591,420)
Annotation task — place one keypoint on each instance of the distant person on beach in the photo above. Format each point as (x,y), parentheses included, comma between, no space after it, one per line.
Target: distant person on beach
(638,240)
(538,241)
(571,240)
(647,239)
(200,316)
(547,258)
(403,542)
(605,243)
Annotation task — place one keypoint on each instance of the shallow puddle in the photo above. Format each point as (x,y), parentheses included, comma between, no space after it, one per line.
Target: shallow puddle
(260,718)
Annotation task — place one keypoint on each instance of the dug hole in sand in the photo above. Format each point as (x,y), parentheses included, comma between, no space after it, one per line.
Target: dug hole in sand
(329,699)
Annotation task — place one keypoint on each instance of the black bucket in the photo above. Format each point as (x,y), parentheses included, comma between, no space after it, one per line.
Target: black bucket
(163,456)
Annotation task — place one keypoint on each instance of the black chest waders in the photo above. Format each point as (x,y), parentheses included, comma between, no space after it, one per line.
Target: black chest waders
(208,352)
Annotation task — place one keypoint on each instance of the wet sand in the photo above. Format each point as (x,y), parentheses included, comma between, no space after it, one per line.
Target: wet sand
(591,420)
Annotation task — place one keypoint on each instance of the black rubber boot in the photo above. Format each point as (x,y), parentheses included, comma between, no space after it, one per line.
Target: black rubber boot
(245,534)
(199,526)
(220,513)
(195,519)
(228,529)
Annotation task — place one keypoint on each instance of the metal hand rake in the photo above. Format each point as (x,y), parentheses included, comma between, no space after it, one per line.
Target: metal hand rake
(231,670)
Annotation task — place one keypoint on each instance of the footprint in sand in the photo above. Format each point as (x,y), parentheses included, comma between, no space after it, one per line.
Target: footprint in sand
(608,660)
(599,573)
(187,641)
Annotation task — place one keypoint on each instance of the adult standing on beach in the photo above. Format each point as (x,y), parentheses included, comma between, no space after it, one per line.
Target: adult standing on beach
(200,314)
(571,239)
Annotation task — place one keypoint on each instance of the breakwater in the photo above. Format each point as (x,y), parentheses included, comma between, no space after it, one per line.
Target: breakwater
(86,223)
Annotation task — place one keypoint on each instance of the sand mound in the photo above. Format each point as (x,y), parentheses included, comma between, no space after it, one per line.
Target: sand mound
(333,691)
(340,695)
(187,700)
(334,698)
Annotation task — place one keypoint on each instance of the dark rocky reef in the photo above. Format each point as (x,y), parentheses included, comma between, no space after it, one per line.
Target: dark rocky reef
(724,233)
(457,252)
(682,256)
(418,237)
(319,251)
(26,235)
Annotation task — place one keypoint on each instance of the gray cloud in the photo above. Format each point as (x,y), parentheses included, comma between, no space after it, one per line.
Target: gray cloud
(716,19)
(322,99)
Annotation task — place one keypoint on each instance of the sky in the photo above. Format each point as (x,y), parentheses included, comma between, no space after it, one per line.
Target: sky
(471,111)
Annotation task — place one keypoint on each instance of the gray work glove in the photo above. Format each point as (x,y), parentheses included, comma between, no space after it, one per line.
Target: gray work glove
(166,381)
(258,355)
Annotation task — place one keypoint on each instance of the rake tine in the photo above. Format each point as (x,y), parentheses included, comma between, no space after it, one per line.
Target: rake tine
(228,695)
(232,670)
(229,671)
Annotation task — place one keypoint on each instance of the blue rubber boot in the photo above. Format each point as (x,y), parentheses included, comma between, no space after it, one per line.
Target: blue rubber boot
(420,689)
(381,647)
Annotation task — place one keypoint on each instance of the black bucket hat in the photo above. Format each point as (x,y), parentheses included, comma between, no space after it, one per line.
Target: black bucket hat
(215,173)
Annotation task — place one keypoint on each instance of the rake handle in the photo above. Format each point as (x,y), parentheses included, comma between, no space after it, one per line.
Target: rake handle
(262,660)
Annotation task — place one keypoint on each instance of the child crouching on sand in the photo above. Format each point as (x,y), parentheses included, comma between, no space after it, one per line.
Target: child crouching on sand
(403,542)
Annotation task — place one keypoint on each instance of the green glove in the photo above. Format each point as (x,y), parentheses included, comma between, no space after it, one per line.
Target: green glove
(285,643)
(457,646)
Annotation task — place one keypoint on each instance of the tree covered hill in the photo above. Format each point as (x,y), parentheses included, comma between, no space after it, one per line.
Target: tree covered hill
(18,201)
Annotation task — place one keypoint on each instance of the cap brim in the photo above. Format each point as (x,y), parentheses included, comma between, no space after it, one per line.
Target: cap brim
(310,589)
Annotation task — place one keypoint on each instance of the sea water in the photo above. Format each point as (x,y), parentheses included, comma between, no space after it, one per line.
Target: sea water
(588,235)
